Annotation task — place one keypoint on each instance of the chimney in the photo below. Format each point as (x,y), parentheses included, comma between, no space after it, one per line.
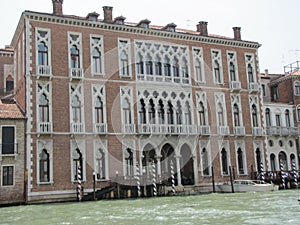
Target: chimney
(266,72)
(202,28)
(93,16)
(170,27)
(57,7)
(237,33)
(107,10)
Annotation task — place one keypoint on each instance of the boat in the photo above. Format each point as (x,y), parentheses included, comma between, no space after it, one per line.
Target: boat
(248,186)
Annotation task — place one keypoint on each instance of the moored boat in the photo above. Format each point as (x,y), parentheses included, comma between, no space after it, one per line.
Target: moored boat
(248,186)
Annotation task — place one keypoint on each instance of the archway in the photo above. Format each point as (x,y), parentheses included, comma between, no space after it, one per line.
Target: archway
(167,157)
(187,166)
(148,157)
(283,161)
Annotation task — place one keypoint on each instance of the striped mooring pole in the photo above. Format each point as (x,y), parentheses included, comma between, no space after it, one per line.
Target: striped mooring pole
(172,177)
(79,193)
(294,173)
(138,181)
(262,174)
(282,174)
(154,178)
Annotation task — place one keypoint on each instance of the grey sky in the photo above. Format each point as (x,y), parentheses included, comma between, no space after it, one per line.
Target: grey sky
(272,23)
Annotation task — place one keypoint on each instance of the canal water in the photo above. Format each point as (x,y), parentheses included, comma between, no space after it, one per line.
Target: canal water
(280,207)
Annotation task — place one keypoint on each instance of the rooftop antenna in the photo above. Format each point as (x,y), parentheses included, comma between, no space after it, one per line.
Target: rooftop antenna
(188,23)
(295,52)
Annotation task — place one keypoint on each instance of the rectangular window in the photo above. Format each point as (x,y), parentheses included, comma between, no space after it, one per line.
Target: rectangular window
(8,176)
(263,88)
(275,94)
(8,140)
(278,121)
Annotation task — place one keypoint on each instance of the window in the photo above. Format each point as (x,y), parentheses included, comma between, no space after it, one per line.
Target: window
(99,117)
(254,116)
(170,113)
(167,67)
(236,115)
(100,165)
(205,162)
(298,113)
(129,162)
(240,161)
(75,63)
(268,117)
(297,88)
(161,112)
(97,55)
(8,140)
(124,64)
(220,113)
(158,69)
(217,66)
(43,109)
(278,120)
(188,114)
(7,175)
(77,165)
(124,58)
(263,88)
(250,73)
(76,109)
(178,113)
(232,72)
(44,166)
(142,112)
(216,71)
(9,83)
(42,54)
(151,112)
(198,64)
(149,65)
(287,118)
(175,68)
(139,65)
(273,163)
(224,159)
(201,112)
(275,93)
(250,67)
(126,112)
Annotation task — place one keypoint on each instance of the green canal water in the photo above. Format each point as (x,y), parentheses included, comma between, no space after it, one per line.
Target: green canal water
(279,207)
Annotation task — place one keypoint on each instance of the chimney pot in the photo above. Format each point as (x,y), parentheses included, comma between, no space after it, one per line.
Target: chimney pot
(202,28)
(237,33)
(57,7)
(107,10)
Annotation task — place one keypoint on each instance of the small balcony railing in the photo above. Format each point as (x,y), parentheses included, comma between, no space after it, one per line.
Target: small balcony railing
(282,131)
(204,130)
(44,71)
(101,128)
(235,85)
(167,129)
(239,131)
(77,127)
(253,87)
(161,78)
(44,127)
(257,131)
(223,130)
(76,73)
(128,128)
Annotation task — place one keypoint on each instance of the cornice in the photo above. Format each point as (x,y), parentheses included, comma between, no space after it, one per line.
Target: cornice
(81,22)
(284,78)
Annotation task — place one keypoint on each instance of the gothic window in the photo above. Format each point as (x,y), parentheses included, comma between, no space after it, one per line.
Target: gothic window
(205,162)
(43,108)
(178,113)
(140,65)
(184,68)
(142,112)
(254,116)
(236,115)
(273,163)
(268,117)
(220,113)
(240,161)
(198,64)
(198,72)
(170,113)
(232,72)
(250,67)
(44,161)
(124,64)
(124,57)
(158,66)
(287,118)
(99,115)
(167,67)
(100,164)
(297,88)
(129,162)
(75,60)
(149,65)
(161,112)
(97,65)
(188,114)
(201,112)
(151,112)
(175,68)
(42,54)
(224,159)
(250,73)
(76,109)
(97,55)
(126,112)
(77,165)
(217,74)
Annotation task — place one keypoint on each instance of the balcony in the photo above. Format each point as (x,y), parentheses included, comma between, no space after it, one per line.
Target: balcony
(77,128)
(100,128)
(167,129)
(75,73)
(160,78)
(44,128)
(239,131)
(128,128)
(282,131)
(44,71)
(204,130)
(235,86)
(257,131)
(223,130)
(253,87)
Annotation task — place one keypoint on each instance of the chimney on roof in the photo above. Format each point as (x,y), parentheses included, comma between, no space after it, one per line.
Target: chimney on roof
(202,28)
(107,10)
(93,16)
(237,33)
(57,7)
(266,72)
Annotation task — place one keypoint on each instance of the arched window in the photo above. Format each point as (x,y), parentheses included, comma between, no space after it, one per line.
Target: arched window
(201,112)
(297,88)
(236,115)
(170,113)
(175,67)
(167,67)
(282,161)
(43,108)
(76,109)
(240,161)
(198,70)
(129,162)
(217,72)
(75,62)
(254,116)
(273,162)
(268,117)
(151,112)
(42,54)
(149,65)
(287,118)
(124,64)
(250,73)
(100,164)
(77,165)
(99,114)
(205,162)
(158,69)
(258,160)
(224,161)
(232,72)
(44,166)
(178,113)
(184,68)
(97,64)
(293,161)
(188,114)
(142,112)
(126,108)
(161,112)
(220,113)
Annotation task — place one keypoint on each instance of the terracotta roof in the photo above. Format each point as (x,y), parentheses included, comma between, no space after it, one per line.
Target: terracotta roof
(10,111)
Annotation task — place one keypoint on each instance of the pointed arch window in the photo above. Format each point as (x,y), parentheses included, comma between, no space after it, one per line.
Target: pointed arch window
(127,112)
(205,162)
(97,64)
(43,108)
(167,67)
(175,68)
(184,68)
(161,112)
(224,159)
(198,71)
(232,71)
(142,112)
(124,64)
(188,114)
(100,164)
(99,114)
(240,161)
(268,117)
(76,109)
(44,169)
(43,54)
(75,60)
(220,113)
(149,65)
(254,116)
(217,72)
(170,113)
(236,115)
(201,112)
(158,66)
(287,118)
(179,113)
(78,165)
(151,112)
(250,73)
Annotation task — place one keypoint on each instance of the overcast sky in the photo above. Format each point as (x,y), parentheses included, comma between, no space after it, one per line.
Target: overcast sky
(272,23)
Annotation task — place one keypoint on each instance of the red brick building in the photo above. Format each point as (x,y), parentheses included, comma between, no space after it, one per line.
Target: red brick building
(109,96)
(6,71)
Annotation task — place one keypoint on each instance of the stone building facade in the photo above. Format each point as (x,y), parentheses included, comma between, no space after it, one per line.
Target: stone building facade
(107,97)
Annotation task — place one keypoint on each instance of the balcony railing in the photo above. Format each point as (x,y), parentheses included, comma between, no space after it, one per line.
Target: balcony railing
(77,127)
(128,128)
(253,87)
(167,129)
(239,131)
(9,148)
(44,127)
(44,71)
(223,130)
(204,130)
(76,73)
(101,128)
(257,131)
(235,85)
(282,131)
(161,78)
